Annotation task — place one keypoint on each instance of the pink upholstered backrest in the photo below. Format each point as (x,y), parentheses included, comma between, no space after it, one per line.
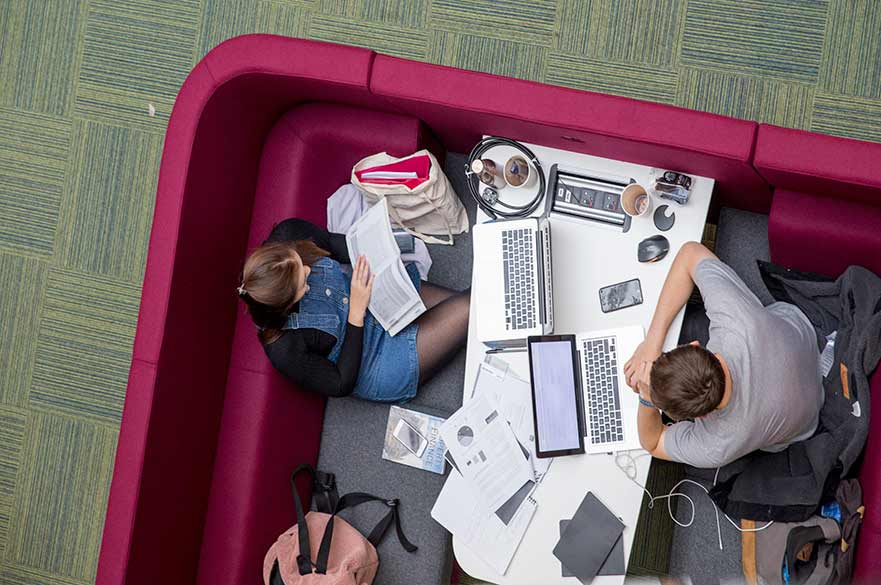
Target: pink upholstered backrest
(461,105)
(164,463)
(825,217)
(840,168)
(868,568)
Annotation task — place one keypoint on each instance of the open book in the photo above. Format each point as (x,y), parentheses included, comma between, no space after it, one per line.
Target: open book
(394,302)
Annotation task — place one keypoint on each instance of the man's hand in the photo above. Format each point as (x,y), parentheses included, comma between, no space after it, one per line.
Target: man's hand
(647,352)
(643,380)
(674,294)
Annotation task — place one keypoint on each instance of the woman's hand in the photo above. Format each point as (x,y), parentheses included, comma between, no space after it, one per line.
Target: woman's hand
(646,352)
(359,296)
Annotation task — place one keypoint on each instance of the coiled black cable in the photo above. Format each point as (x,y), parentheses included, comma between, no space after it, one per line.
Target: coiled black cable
(492,208)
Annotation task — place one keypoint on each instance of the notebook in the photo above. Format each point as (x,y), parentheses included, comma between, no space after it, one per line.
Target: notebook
(614,564)
(588,539)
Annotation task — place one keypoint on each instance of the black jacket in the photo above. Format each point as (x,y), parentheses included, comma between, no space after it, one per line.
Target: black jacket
(301,354)
(790,485)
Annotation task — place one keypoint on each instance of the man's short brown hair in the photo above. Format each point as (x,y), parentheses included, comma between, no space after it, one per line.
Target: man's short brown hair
(687,382)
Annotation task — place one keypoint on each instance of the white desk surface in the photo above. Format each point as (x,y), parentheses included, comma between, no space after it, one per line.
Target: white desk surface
(586,256)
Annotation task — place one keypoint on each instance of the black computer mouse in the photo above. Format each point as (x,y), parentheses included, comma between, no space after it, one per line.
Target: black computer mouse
(653,248)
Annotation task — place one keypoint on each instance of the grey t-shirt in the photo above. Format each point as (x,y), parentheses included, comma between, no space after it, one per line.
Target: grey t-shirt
(772,355)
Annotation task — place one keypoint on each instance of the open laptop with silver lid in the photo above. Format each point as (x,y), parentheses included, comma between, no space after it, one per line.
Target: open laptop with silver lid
(610,406)
(513,282)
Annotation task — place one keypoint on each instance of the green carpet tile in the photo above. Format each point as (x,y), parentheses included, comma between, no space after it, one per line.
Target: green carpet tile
(779,38)
(65,468)
(134,53)
(18,575)
(771,101)
(488,54)
(33,159)
(848,116)
(40,54)
(628,31)
(23,282)
(107,210)
(86,90)
(83,345)
(12,422)
(852,58)
(631,79)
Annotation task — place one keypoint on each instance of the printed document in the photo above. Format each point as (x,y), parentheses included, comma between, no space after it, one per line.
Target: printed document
(458,510)
(486,452)
(394,302)
(514,396)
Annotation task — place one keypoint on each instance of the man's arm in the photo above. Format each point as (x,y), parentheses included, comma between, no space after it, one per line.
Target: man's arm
(651,428)
(674,294)
(652,431)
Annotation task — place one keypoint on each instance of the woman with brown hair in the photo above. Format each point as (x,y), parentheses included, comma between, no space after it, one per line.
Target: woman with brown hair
(313,321)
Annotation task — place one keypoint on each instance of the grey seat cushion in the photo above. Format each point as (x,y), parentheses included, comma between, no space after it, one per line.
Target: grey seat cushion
(741,239)
(354,431)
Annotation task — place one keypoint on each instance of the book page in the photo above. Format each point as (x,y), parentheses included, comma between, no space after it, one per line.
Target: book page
(394,301)
(371,236)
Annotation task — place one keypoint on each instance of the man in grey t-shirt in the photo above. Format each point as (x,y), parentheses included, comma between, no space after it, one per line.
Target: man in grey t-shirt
(755,386)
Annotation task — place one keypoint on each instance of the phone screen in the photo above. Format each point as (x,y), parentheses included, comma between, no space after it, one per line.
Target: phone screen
(620,296)
(410,438)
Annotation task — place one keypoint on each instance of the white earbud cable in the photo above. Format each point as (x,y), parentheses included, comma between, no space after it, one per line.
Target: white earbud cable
(628,466)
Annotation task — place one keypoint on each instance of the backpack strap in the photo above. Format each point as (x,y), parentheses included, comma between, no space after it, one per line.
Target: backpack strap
(324,492)
(350,501)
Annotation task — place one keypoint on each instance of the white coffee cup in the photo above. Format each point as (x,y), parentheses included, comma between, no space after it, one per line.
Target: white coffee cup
(519,173)
(635,200)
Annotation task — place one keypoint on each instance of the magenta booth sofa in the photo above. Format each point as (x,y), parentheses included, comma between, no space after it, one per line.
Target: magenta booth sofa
(267,127)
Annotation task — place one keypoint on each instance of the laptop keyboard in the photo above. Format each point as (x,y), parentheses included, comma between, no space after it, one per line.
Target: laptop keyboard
(601,390)
(519,264)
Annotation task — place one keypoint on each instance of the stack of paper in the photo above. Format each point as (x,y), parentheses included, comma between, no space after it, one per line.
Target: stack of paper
(514,395)
(487,500)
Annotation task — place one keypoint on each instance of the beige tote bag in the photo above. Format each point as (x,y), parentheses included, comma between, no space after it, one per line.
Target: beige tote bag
(419,195)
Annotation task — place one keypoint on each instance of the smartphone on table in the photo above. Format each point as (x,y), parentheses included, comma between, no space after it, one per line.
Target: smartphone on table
(407,435)
(620,296)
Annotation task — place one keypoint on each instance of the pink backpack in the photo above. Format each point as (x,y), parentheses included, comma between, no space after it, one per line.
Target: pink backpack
(345,556)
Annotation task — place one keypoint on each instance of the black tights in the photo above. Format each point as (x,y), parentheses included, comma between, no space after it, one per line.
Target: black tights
(443,328)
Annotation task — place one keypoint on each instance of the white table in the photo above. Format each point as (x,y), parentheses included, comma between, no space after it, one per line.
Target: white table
(586,256)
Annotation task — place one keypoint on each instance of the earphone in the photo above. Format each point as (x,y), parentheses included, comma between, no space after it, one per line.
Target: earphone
(629,469)
(492,203)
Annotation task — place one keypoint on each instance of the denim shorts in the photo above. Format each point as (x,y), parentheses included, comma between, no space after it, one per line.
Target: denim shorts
(389,365)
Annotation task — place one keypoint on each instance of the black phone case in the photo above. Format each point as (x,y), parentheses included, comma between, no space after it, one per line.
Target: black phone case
(607,309)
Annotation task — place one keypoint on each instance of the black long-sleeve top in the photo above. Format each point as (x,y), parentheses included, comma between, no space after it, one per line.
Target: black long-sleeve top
(301,354)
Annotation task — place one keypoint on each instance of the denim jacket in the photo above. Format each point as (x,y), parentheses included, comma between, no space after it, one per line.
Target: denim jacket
(325,306)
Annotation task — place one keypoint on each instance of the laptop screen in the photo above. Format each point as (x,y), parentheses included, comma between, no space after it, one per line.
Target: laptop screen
(555,391)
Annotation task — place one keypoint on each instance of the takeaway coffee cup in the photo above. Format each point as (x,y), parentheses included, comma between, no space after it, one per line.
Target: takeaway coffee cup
(635,200)
(519,173)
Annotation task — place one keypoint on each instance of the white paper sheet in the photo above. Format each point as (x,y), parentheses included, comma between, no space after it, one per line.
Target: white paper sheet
(514,396)
(486,452)
(394,301)
(458,510)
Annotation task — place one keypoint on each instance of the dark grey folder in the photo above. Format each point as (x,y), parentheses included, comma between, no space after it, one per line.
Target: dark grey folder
(588,539)
(614,564)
